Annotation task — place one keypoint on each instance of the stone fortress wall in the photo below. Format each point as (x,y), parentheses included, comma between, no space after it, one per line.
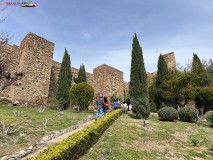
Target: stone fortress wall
(34,57)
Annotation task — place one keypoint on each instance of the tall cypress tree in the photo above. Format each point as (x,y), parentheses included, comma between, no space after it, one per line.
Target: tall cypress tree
(200,82)
(161,76)
(81,75)
(64,81)
(138,87)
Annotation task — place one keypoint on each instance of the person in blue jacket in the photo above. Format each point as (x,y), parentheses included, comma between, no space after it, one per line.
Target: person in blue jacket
(115,104)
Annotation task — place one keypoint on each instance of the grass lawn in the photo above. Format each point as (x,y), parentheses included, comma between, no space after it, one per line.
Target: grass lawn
(127,139)
(32,127)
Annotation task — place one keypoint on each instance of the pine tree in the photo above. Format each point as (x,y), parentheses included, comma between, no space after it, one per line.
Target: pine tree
(64,81)
(161,76)
(81,75)
(138,87)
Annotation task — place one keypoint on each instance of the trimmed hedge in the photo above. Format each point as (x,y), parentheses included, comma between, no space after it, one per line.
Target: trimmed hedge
(188,114)
(75,145)
(168,114)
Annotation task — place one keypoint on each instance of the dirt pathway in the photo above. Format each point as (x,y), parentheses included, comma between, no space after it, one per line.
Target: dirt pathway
(58,139)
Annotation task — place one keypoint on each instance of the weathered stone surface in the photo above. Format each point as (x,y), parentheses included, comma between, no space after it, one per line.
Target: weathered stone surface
(34,58)
(170,60)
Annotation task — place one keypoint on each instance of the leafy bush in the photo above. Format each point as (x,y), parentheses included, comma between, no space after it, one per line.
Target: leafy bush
(52,100)
(195,140)
(82,95)
(168,114)
(5,101)
(73,146)
(162,105)
(210,117)
(153,107)
(188,114)
(53,103)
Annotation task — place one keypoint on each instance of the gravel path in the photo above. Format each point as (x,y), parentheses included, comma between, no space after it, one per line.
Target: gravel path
(58,139)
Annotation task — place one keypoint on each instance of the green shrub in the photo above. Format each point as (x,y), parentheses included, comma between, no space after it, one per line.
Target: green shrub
(195,140)
(210,117)
(113,98)
(168,114)
(162,105)
(52,100)
(75,145)
(21,140)
(188,114)
(82,95)
(153,107)
(211,146)
(5,101)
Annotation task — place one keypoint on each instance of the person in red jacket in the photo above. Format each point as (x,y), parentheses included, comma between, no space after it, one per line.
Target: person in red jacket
(106,106)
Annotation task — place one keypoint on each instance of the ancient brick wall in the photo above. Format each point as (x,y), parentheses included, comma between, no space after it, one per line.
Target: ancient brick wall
(54,77)
(11,56)
(34,59)
(108,81)
(35,62)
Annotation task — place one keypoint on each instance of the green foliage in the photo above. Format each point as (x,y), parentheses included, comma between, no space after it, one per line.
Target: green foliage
(127,100)
(168,114)
(79,142)
(81,75)
(162,73)
(195,140)
(211,146)
(21,140)
(188,114)
(53,103)
(52,100)
(153,107)
(162,105)
(138,87)
(5,101)
(178,88)
(210,117)
(64,81)
(113,98)
(82,95)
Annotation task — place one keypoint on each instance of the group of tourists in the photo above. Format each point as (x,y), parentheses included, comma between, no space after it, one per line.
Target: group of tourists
(103,106)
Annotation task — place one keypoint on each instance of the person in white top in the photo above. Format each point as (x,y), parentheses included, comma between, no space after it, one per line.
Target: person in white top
(125,108)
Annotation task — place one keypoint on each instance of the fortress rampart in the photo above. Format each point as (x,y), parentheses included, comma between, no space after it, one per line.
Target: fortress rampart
(34,57)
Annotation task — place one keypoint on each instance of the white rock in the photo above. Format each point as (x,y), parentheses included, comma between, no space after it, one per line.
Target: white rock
(30,148)
(45,138)
(41,142)
(5,158)
(22,152)
(22,135)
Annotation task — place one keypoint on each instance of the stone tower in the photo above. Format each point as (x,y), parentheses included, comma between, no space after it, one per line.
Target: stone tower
(35,62)
(170,60)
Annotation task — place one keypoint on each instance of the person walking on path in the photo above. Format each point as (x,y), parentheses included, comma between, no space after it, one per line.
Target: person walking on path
(106,105)
(100,105)
(125,108)
(115,104)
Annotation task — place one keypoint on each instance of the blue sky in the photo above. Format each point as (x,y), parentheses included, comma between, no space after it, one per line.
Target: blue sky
(101,31)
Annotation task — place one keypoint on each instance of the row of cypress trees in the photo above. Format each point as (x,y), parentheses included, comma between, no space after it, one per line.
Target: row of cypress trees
(65,80)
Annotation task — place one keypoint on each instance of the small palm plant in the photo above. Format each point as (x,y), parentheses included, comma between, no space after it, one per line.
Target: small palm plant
(195,140)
